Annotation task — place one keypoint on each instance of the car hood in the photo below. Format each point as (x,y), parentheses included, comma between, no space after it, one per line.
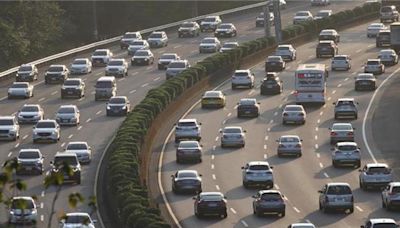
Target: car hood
(208,45)
(77,151)
(223,30)
(283,52)
(301,17)
(24,72)
(208,23)
(115,67)
(28,113)
(7,127)
(154,39)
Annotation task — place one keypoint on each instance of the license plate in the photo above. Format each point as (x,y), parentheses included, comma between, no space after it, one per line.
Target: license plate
(28,168)
(269,86)
(247,112)
(309,95)
(53,79)
(97,61)
(65,121)
(273,63)
(69,92)
(66,177)
(212,204)
(139,61)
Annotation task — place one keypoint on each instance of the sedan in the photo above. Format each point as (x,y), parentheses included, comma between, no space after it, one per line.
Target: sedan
(209,44)
(20,89)
(365,81)
(388,57)
(137,45)
(30,113)
(233,136)
(68,115)
(271,85)
(226,30)
(141,57)
(346,153)
(118,105)
(274,63)
(374,28)
(342,62)
(374,66)
(293,114)
(210,203)
(227,46)
(213,99)
(286,51)
(77,219)
(289,145)
(248,107)
(81,66)
(269,202)
(342,132)
(186,181)
(375,175)
(82,150)
(189,150)
(166,59)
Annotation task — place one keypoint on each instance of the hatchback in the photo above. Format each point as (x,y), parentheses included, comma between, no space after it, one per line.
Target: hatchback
(186,181)
(188,150)
(258,174)
(337,196)
(210,203)
(248,107)
(346,153)
(341,62)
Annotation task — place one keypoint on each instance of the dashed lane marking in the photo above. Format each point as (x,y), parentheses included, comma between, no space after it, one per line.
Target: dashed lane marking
(217,187)
(9,154)
(316,146)
(63,144)
(265,156)
(43,193)
(54,92)
(233,211)
(88,120)
(340,85)
(268,129)
(41,205)
(276,186)
(321,165)
(321,113)
(156,79)
(25,136)
(266,138)
(135,73)
(16,145)
(214,147)
(244,223)
(359,50)
(42,99)
(177,46)
(148,68)
(318,121)
(70,136)
(316,128)
(98,112)
(41,218)
(212,166)
(326,175)
(316,137)
(271,121)
(223,122)
(265,146)
(216,138)
(359,208)
(212,157)
(275,113)
(334,91)
(79,128)
(329,98)
(318,154)
(145,84)
(214,177)
(297,210)
(132,91)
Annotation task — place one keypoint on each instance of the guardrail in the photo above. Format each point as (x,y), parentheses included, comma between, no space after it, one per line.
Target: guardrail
(12,71)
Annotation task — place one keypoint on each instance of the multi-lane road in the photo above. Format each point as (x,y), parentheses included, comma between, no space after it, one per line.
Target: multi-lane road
(298,179)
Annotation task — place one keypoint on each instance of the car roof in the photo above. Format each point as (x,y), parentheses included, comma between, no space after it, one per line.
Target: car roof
(233,127)
(132,33)
(106,78)
(179,61)
(371,165)
(158,32)
(188,171)
(346,144)
(104,49)
(346,99)
(68,106)
(242,71)
(342,124)
(301,225)
(65,154)
(303,11)
(124,97)
(269,191)
(187,120)
(396,184)
(77,142)
(210,38)
(248,99)
(30,149)
(366,74)
(211,16)
(341,56)
(290,136)
(169,54)
(57,65)
(251,163)
(325,11)
(328,31)
(7,117)
(381,220)
(27,64)
(337,184)
(213,93)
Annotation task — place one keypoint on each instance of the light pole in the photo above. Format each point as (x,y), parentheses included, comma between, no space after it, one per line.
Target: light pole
(94,11)
(277,20)
(267,25)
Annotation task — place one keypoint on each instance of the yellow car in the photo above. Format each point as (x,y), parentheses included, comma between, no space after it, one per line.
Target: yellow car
(213,99)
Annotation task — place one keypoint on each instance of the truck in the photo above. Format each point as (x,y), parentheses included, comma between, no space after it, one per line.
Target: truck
(395,36)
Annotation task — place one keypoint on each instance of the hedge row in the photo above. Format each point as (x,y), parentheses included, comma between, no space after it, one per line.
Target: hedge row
(127,193)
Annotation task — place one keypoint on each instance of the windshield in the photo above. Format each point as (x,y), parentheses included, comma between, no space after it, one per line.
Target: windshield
(375,26)
(343,127)
(230,45)
(186,124)
(79,62)
(117,100)
(187,174)
(322,14)
(302,14)
(378,170)
(66,110)
(100,53)
(339,190)
(45,125)
(70,160)
(241,74)
(77,219)
(342,58)
(283,48)
(116,63)
(23,85)
(55,69)
(30,109)
(138,43)
(177,65)
(130,35)
(29,155)
(225,26)
(77,146)
(212,94)
(6,122)
(385,225)
(208,41)
(271,196)
(210,19)
(248,102)
(365,77)
(103,84)
(258,167)
(188,144)
(141,53)
(233,130)
(187,25)
(168,57)
(373,63)
(25,68)
(309,79)
(274,59)
(72,82)
(22,204)
(386,9)
(155,35)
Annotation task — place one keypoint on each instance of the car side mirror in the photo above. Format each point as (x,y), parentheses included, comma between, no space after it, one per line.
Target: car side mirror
(201,145)
(354,128)
(271,167)
(255,196)
(200,175)
(334,103)
(220,131)
(362,226)
(360,170)
(320,191)
(258,102)
(51,163)
(194,197)
(200,123)
(301,140)
(277,140)
(242,167)
(172,175)
(330,128)
(94,221)
(225,197)
(244,131)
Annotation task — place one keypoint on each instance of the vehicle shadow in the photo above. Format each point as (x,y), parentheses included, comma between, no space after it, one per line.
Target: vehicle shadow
(322,220)
(333,172)
(205,221)
(173,166)
(263,221)
(275,160)
(240,192)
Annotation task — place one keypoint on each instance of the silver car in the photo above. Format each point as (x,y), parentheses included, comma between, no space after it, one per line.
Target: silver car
(342,132)
(374,66)
(30,113)
(118,105)
(345,108)
(391,196)
(375,175)
(341,62)
(259,174)
(82,150)
(101,57)
(187,129)
(225,30)
(56,74)
(233,136)
(29,161)
(27,72)
(165,59)
(176,67)
(243,78)
(374,28)
(68,115)
(158,39)
(294,114)
(27,205)
(9,128)
(186,180)
(189,150)
(269,202)
(388,57)
(209,44)
(20,89)
(346,153)
(46,130)
(189,28)
(227,46)
(289,145)
(73,87)
(77,219)
(380,222)
(337,196)
(286,51)
(129,37)
(117,67)
(81,66)
(137,45)
(302,16)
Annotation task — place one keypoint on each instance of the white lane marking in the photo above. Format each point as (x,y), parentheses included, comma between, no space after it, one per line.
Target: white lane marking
(63,144)
(359,208)
(43,193)
(329,98)
(309,221)
(42,99)
(235,107)
(223,122)
(9,154)
(316,128)
(310,56)
(93,92)
(25,136)
(121,79)
(145,84)
(268,129)
(371,45)
(321,113)
(265,156)
(276,186)
(70,136)
(214,177)
(214,147)
(194,51)
(212,166)
(88,120)
(334,91)
(156,79)
(79,128)
(316,137)
(81,99)
(233,211)
(280,106)
(326,175)
(266,138)
(299,62)
(54,92)
(275,113)
(229,114)
(340,85)
(346,79)
(251,92)
(324,106)
(41,218)
(318,154)
(212,157)
(285,100)
(321,165)
(216,138)
(217,187)
(177,46)
(265,146)
(354,73)
(99,73)
(271,121)
(316,146)
(132,91)
(359,50)
(244,223)
(16,145)
(148,68)
(41,205)
(318,121)
(297,210)
(98,112)
(135,73)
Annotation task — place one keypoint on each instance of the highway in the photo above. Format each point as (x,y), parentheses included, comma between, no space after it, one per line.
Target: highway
(298,179)
(96,128)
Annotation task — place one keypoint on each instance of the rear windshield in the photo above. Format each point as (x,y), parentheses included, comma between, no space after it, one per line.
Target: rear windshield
(302,14)
(130,35)
(186,124)
(283,48)
(232,130)
(79,62)
(378,170)
(347,147)
(271,196)
(116,63)
(141,53)
(187,174)
(177,65)
(29,154)
(225,26)
(30,109)
(77,146)
(72,82)
(290,139)
(211,197)
(25,68)
(117,100)
(55,69)
(188,144)
(386,9)
(67,159)
(210,19)
(22,204)
(385,225)
(208,41)
(341,127)
(155,35)
(19,85)
(325,44)
(258,167)
(274,59)
(293,109)
(168,57)
(241,74)
(339,190)
(230,45)
(373,63)
(77,219)
(248,102)
(138,43)
(45,125)
(323,14)
(6,122)
(344,103)
(340,58)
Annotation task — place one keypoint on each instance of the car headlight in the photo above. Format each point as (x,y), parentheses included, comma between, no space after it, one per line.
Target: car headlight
(53,133)
(108,107)
(146,59)
(123,107)
(11,212)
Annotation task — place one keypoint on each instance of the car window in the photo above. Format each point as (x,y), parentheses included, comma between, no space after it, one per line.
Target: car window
(274,59)
(258,167)
(72,82)
(104,84)
(138,43)
(46,124)
(22,204)
(347,147)
(396,189)
(232,130)
(248,102)
(271,196)
(77,219)
(290,139)
(378,170)
(155,35)
(142,53)
(66,110)
(225,26)
(100,53)
(210,19)
(186,124)
(343,58)
(6,122)
(168,57)
(293,109)
(130,35)
(208,41)
(25,68)
(339,190)
(77,146)
(116,63)
(19,85)
(241,74)
(186,174)
(55,69)
(188,144)
(177,65)
(29,154)
(30,109)
(210,197)
(67,159)
(302,14)
(117,100)
(79,62)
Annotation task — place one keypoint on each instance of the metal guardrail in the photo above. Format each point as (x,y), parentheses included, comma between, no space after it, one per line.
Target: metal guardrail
(115,39)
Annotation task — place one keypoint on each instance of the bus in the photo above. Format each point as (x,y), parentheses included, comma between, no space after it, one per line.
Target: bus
(310,83)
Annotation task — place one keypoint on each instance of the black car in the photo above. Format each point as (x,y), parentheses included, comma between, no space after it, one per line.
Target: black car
(30,161)
(210,203)
(186,181)
(271,85)
(118,106)
(383,38)
(275,64)
(326,48)
(63,159)
(248,107)
(365,81)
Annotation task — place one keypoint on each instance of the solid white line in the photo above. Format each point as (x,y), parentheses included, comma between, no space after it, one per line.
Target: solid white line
(145,84)
(359,208)
(88,120)
(9,154)
(132,91)
(244,223)
(63,144)
(212,166)
(214,177)
(217,187)
(54,93)
(321,165)
(16,145)
(233,211)
(297,210)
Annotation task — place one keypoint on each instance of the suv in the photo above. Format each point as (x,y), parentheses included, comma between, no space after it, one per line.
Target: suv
(142,57)
(56,73)
(73,87)
(81,66)
(27,206)
(269,201)
(274,63)
(210,203)
(118,105)
(82,150)
(341,62)
(233,136)
(346,153)
(286,51)
(346,107)
(68,115)
(271,85)
(388,57)
(260,19)
(323,14)
(302,16)
(137,45)
(258,173)
(326,48)
(186,180)
(329,34)
(391,196)
(165,59)
(337,196)
(117,67)
(248,107)
(187,129)
(70,159)
(243,78)
(46,130)
(30,160)
(26,73)
(380,222)
(101,57)
(226,30)
(209,44)
(176,67)
(158,39)
(374,66)
(210,23)
(30,113)
(383,38)
(20,89)
(106,87)
(189,28)
(128,37)
(389,13)
(375,175)
(9,128)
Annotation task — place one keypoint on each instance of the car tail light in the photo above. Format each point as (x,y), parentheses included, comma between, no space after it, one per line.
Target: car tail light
(356,151)
(392,193)
(285,114)
(333,133)
(301,114)
(233,77)
(350,133)
(296,93)
(298,145)
(248,172)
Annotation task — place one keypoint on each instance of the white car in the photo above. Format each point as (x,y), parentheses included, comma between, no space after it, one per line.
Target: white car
(77,219)
(26,204)
(286,51)
(341,62)
(128,38)
(210,44)
(320,2)
(189,28)
(81,66)
(30,113)
(243,78)
(388,57)
(233,136)
(73,87)
(176,67)
(380,222)
(20,89)
(187,129)
(374,28)
(158,39)
(9,128)
(82,150)
(323,14)
(260,19)
(56,74)
(210,23)
(227,46)
(27,72)
(101,57)
(142,57)
(137,45)
(301,225)
(302,16)
(374,66)
(46,130)
(68,115)
(165,59)
(391,196)
(225,30)
(117,67)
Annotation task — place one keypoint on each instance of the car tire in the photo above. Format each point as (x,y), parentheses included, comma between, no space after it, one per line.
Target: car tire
(320,206)
(233,87)
(325,210)
(78,181)
(224,215)
(222,145)
(282,214)
(351,210)
(283,122)
(259,214)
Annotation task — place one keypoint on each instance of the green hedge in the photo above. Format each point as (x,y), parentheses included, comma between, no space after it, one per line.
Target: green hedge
(127,193)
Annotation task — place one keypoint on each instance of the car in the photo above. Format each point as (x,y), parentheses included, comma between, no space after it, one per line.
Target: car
(274,63)
(72,173)
(68,115)
(248,107)
(80,66)
(225,30)
(271,85)
(186,181)
(27,73)
(175,67)
(301,225)
(323,14)
(365,81)
(142,57)
(9,128)
(227,46)
(341,132)
(341,62)
(294,114)
(187,129)
(326,48)
(189,150)
(165,59)
(209,44)
(46,130)
(30,161)
(329,34)
(380,222)
(258,174)
(243,78)
(26,204)
(388,57)
(269,202)
(56,74)
(158,39)
(282,5)
(346,153)
(189,28)
(210,203)
(346,108)
(320,2)
(137,45)
(383,38)
(302,16)
(118,105)
(211,99)
(30,113)
(375,175)
(336,195)
(260,19)
(389,13)
(101,57)
(374,28)
(233,136)
(210,23)
(82,150)
(73,87)
(286,51)
(105,88)
(20,89)
(117,67)
(128,38)
(77,219)
(391,196)
(290,145)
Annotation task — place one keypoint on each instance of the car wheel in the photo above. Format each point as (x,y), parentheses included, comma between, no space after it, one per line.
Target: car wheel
(222,145)
(351,210)
(198,215)
(78,181)
(283,122)
(320,206)
(282,214)
(334,164)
